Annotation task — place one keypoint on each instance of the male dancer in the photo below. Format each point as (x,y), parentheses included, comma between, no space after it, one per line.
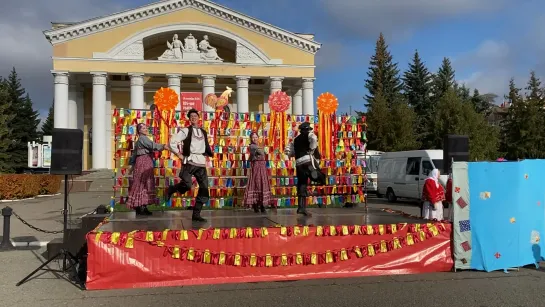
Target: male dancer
(195,149)
(304,145)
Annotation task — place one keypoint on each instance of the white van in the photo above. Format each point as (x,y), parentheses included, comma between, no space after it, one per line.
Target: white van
(371,158)
(402,174)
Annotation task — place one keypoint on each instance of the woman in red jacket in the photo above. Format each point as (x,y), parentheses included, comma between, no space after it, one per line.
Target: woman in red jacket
(433,196)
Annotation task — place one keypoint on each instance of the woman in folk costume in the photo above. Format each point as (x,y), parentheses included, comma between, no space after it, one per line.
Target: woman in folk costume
(258,190)
(142,189)
(433,196)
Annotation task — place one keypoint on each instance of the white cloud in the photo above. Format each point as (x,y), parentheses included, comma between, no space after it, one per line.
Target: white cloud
(335,55)
(366,18)
(491,64)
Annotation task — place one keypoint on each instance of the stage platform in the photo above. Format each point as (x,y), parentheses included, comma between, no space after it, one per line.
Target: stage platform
(168,249)
(181,219)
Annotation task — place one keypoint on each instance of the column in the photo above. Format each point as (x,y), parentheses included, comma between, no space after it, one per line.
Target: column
(137,90)
(290,95)
(297,101)
(80,114)
(266,93)
(275,86)
(60,104)
(80,108)
(308,96)
(208,87)
(175,83)
(108,135)
(72,107)
(243,105)
(99,120)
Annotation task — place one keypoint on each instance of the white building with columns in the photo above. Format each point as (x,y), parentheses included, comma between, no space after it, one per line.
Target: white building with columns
(120,60)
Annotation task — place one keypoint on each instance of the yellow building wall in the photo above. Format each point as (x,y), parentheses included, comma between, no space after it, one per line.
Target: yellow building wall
(104,41)
(113,67)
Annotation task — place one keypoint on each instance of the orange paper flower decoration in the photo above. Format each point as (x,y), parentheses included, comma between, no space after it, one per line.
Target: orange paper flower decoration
(279,101)
(166,99)
(327,103)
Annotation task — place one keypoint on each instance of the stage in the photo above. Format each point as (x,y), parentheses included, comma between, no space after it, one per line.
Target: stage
(168,249)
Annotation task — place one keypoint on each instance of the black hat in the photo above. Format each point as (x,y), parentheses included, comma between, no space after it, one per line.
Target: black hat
(305,126)
(192,111)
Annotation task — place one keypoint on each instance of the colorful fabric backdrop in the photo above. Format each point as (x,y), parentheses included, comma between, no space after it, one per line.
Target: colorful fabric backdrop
(499,214)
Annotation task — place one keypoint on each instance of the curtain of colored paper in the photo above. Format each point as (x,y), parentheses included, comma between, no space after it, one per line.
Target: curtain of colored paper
(278,131)
(325,130)
(271,138)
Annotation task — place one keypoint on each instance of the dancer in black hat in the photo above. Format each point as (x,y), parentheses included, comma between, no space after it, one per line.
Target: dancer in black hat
(304,149)
(195,149)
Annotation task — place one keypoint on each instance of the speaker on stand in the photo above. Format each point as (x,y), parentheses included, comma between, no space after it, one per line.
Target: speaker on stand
(66,159)
(455,149)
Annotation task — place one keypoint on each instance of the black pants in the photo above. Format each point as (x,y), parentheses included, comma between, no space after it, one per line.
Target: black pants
(199,172)
(303,175)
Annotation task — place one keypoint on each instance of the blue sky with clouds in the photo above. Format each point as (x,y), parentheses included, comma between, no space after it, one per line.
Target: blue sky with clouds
(488,41)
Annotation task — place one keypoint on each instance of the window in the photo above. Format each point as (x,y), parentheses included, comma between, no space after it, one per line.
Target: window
(413,166)
(427,167)
(372,164)
(439,165)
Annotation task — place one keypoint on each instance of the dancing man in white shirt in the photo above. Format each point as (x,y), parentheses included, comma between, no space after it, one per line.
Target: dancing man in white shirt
(195,149)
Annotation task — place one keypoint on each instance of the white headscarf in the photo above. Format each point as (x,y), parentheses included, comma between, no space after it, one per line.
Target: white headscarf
(434,175)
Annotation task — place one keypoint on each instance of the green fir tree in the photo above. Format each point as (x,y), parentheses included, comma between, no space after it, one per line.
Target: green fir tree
(417,81)
(24,126)
(455,116)
(535,104)
(384,100)
(378,120)
(5,131)
(514,127)
(383,74)
(48,125)
(443,80)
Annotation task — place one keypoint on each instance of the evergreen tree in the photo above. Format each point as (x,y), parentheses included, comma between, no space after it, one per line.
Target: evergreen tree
(5,132)
(463,92)
(402,127)
(383,74)
(448,118)
(391,120)
(443,80)
(455,116)
(483,103)
(378,121)
(535,102)
(514,128)
(417,85)
(24,125)
(47,126)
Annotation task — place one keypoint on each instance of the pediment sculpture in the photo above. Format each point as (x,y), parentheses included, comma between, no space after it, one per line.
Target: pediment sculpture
(190,51)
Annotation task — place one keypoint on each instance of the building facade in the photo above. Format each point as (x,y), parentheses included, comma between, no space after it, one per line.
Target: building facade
(191,46)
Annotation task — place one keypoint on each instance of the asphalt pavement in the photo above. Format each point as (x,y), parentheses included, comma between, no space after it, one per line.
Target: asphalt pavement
(463,289)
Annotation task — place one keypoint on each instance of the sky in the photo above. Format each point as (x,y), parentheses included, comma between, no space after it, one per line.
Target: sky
(488,41)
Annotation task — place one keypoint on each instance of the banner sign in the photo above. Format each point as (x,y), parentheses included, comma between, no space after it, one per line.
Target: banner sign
(191,100)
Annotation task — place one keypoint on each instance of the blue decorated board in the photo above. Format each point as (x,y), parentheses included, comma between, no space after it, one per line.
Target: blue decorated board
(499,214)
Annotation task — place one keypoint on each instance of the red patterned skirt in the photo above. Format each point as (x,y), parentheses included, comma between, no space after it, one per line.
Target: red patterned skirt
(258,190)
(142,189)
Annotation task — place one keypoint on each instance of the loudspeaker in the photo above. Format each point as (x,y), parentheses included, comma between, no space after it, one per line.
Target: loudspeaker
(455,147)
(66,152)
